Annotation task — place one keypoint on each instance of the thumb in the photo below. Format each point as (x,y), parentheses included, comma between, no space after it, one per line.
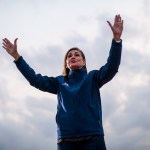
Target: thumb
(110,25)
(15,41)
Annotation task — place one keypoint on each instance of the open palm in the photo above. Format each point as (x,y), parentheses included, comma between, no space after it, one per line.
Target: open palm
(9,47)
(117,27)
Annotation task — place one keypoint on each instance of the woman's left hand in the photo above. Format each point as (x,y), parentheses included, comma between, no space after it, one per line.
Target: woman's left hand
(117,28)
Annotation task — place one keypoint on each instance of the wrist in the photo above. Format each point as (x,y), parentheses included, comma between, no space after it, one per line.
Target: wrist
(16,56)
(116,37)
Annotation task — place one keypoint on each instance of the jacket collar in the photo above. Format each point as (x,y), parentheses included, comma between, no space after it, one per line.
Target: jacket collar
(77,73)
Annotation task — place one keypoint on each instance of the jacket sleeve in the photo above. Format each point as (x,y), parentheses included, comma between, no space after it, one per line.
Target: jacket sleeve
(108,71)
(44,83)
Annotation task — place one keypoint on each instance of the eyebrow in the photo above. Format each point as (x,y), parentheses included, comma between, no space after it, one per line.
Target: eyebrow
(74,52)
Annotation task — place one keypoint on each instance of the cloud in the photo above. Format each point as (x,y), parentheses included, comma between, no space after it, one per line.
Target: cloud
(27,124)
(27,116)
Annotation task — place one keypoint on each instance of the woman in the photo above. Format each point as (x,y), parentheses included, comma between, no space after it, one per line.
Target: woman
(79,114)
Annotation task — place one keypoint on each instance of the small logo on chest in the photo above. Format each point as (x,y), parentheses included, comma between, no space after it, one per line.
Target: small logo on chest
(65,84)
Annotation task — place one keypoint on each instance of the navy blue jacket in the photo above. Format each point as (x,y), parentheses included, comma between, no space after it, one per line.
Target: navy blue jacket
(79,110)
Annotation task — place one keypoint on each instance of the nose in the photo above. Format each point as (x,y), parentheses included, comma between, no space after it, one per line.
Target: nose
(72,57)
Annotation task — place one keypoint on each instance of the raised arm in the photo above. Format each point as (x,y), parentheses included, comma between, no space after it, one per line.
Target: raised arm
(44,83)
(11,48)
(108,71)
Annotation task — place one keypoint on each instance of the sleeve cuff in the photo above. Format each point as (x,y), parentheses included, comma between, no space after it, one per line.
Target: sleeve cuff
(117,43)
(19,60)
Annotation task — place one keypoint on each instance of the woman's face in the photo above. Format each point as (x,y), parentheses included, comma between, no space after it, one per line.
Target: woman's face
(75,60)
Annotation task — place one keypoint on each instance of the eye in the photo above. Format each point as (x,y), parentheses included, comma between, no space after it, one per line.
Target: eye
(69,55)
(77,54)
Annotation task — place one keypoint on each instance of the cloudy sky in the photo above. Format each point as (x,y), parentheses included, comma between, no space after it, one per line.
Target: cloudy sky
(46,30)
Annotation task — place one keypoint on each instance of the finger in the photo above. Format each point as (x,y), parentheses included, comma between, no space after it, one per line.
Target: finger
(6,40)
(122,22)
(5,44)
(4,48)
(15,41)
(110,25)
(118,18)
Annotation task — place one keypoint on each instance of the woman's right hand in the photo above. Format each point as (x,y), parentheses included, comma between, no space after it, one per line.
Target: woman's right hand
(11,48)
